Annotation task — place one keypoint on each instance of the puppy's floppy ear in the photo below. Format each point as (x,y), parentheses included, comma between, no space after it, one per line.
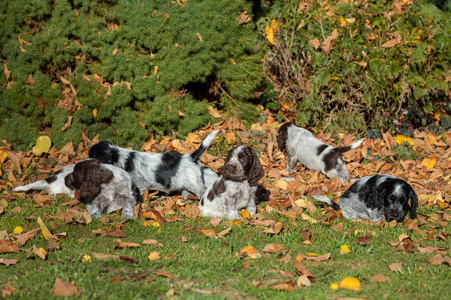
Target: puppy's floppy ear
(225,174)
(256,172)
(413,204)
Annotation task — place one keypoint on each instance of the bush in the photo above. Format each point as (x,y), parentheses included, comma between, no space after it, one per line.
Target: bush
(121,69)
(360,63)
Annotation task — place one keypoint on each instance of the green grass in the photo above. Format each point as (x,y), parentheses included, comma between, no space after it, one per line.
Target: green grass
(207,264)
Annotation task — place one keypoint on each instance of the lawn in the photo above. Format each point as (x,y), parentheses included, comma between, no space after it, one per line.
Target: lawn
(171,251)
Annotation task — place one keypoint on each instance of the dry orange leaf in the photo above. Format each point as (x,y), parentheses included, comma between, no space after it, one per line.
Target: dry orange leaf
(273,248)
(283,286)
(63,288)
(396,267)
(154,255)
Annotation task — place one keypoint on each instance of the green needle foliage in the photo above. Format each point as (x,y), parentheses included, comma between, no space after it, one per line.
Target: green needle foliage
(388,63)
(121,69)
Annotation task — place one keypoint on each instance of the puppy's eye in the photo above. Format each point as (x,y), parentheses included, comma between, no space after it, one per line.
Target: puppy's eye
(241,157)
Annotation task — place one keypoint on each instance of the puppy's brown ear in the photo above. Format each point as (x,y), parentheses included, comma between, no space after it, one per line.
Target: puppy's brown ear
(91,175)
(256,171)
(225,173)
(413,204)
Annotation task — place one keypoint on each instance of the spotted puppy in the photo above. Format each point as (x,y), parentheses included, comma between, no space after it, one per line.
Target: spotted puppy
(302,146)
(237,188)
(166,172)
(52,185)
(373,196)
(103,188)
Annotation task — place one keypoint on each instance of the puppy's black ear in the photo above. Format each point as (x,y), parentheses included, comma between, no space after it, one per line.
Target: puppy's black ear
(282,136)
(225,174)
(104,152)
(90,175)
(413,204)
(256,171)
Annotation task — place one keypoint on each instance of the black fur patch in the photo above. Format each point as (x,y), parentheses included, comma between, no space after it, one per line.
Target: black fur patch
(282,135)
(321,149)
(330,159)
(104,152)
(168,168)
(366,192)
(129,162)
(217,189)
(53,177)
(136,194)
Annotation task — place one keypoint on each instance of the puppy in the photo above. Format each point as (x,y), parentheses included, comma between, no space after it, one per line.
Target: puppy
(166,172)
(373,196)
(302,146)
(52,185)
(103,188)
(237,188)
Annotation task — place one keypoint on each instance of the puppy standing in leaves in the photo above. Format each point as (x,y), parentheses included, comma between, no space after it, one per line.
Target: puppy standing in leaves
(103,188)
(302,146)
(374,196)
(237,188)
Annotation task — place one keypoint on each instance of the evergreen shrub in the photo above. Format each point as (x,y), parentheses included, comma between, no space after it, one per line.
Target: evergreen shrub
(363,63)
(121,69)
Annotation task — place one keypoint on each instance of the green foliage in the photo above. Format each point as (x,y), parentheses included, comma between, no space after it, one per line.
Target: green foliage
(121,69)
(404,152)
(386,63)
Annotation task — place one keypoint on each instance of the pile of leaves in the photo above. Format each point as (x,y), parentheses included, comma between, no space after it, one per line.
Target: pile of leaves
(289,212)
(121,69)
(360,64)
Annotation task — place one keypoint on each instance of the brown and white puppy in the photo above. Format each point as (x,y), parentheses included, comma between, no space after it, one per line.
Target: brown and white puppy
(302,146)
(237,188)
(103,188)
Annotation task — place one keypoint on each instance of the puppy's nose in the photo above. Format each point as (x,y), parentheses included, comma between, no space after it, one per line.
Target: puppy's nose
(230,168)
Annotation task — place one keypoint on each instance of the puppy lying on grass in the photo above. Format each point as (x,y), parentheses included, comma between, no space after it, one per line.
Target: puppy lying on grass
(375,196)
(302,146)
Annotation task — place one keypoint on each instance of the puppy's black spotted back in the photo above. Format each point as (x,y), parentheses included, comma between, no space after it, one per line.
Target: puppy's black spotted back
(167,168)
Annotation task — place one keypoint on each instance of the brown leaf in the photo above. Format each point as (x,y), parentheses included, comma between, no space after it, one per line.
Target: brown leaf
(272,248)
(63,288)
(327,44)
(244,18)
(130,260)
(116,232)
(164,274)
(396,267)
(314,43)
(379,278)
(24,237)
(364,240)
(6,247)
(319,258)
(247,264)
(102,256)
(121,244)
(152,243)
(274,230)
(153,214)
(7,291)
(302,270)
(436,260)
(303,280)
(282,286)
(8,262)
(199,36)
(390,43)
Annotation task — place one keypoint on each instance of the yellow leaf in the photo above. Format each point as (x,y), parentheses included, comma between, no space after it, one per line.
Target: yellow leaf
(270,30)
(3,156)
(18,230)
(311,254)
(43,144)
(400,139)
(249,250)
(244,214)
(235,222)
(177,145)
(344,249)
(342,21)
(45,232)
(86,258)
(428,163)
(154,255)
(334,286)
(350,283)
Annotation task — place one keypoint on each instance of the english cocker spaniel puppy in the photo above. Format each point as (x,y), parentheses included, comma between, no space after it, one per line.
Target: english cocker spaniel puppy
(375,196)
(166,172)
(302,146)
(52,185)
(237,188)
(103,188)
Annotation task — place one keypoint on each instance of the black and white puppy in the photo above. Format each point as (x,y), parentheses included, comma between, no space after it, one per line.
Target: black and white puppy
(103,188)
(166,172)
(302,146)
(52,185)
(237,188)
(373,196)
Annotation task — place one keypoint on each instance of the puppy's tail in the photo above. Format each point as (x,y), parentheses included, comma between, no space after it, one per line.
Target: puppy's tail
(35,186)
(350,147)
(195,156)
(331,203)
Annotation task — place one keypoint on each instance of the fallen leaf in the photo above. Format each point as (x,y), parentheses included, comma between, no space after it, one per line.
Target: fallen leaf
(379,278)
(344,249)
(102,256)
(154,255)
(152,243)
(7,247)
(164,274)
(364,240)
(396,267)
(303,280)
(272,248)
(319,258)
(282,286)
(45,232)
(8,262)
(43,144)
(63,288)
